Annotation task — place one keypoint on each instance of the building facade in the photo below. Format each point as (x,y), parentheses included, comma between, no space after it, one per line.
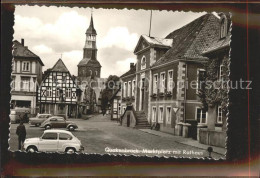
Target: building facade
(168,75)
(58,93)
(26,75)
(217,72)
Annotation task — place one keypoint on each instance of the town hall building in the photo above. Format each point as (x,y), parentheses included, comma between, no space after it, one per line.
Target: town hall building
(161,89)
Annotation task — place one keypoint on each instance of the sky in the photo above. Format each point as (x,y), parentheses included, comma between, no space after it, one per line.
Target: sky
(59,32)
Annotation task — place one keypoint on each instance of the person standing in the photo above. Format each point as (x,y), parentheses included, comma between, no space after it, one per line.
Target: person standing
(21,132)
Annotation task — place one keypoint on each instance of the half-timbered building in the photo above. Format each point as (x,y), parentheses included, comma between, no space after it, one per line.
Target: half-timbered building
(58,92)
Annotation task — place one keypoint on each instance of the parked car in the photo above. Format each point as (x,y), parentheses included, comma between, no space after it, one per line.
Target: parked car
(16,115)
(38,119)
(58,122)
(54,141)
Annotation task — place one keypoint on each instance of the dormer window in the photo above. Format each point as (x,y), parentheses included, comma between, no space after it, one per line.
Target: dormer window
(143,63)
(223,27)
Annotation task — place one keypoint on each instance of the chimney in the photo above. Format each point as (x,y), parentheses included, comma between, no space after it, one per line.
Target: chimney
(22,41)
(132,65)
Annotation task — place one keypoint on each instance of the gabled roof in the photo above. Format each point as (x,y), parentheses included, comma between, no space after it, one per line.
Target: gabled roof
(89,62)
(132,70)
(19,50)
(192,39)
(91,29)
(154,41)
(59,67)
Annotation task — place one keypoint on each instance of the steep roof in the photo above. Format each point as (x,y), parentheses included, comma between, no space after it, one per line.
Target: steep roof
(89,62)
(218,44)
(132,70)
(192,39)
(19,50)
(59,67)
(91,29)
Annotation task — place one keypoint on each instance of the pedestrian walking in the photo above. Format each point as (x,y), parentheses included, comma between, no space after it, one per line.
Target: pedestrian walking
(21,132)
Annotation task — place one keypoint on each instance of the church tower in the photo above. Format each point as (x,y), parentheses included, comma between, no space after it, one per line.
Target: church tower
(89,67)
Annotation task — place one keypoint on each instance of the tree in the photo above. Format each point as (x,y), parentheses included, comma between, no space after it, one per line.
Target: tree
(214,92)
(111,85)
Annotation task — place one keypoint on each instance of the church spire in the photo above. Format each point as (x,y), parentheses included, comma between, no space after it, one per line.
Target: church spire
(91,29)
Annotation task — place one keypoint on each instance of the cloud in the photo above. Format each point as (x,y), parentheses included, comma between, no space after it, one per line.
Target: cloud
(124,65)
(42,49)
(66,33)
(119,37)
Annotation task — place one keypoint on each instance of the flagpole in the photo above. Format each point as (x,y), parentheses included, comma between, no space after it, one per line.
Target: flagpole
(150,23)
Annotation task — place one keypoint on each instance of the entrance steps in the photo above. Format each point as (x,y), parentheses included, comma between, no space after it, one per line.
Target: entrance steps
(141,120)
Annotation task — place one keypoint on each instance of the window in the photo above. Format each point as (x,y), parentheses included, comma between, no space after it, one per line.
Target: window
(160,119)
(154,113)
(221,72)
(125,89)
(96,73)
(13,83)
(64,136)
(162,82)
(133,88)
(50,136)
(201,116)
(25,81)
(49,92)
(26,66)
(201,74)
(170,80)
(129,89)
(168,114)
(57,92)
(219,118)
(68,93)
(155,83)
(223,28)
(90,72)
(143,63)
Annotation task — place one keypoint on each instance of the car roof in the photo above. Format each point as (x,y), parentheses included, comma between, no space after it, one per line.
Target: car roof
(56,117)
(44,114)
(57,131)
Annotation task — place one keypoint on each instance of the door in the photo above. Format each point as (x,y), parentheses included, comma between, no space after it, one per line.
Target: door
(142,95)
(48,142)
(60,123)
(63,140)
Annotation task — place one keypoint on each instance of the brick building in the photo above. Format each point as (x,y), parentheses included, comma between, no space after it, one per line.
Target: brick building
(167,75)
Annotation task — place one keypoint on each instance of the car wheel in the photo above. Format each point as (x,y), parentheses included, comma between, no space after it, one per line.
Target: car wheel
(71,128)
(47,127)
(70,150)
(31,149)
